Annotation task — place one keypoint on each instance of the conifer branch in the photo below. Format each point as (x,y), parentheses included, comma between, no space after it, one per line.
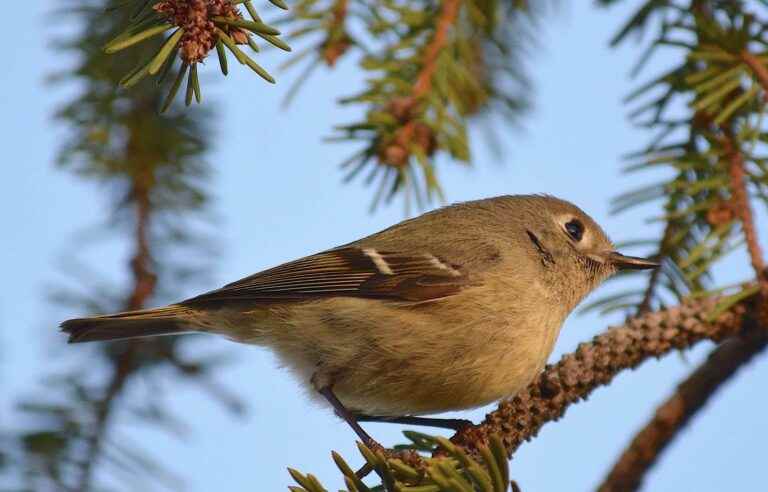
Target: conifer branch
(337,41)
(122,369)
(697,389)
(596,363)
(733,109)
(124,366)
(672,416)
(118,138)
(405,135)
(448,15)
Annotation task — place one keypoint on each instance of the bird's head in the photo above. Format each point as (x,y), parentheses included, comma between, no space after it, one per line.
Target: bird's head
(572,247)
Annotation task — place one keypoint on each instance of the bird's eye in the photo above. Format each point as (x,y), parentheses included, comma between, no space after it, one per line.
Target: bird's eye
(575,229)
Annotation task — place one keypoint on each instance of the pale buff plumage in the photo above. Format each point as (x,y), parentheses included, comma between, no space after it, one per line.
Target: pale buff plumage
(522,275)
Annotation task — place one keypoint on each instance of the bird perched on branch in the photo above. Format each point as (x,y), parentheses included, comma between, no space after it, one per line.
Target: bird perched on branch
(453,309)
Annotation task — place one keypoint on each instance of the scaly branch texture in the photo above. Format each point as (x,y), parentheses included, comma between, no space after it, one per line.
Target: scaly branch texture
(672,415)
(595,364)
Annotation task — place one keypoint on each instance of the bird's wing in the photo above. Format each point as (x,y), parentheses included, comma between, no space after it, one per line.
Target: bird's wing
(348,272)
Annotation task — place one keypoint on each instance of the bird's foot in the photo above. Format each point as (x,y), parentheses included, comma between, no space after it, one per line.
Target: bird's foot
(453,424)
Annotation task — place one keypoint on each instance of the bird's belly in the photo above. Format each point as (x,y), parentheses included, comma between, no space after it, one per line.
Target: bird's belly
(458,378)
(441,359)
(408,395)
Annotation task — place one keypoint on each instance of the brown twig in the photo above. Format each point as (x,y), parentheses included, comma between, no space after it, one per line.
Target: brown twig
(339,11)
(448,15)
(757,67)
(595,364)
(124,365)
(121,370)
(670,417)
(740,203)
(398,151)
(337,41)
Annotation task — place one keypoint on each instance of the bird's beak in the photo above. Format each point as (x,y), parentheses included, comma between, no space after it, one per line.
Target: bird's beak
(623,262)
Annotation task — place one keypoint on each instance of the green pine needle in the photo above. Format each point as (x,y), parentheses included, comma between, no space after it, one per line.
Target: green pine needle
(259,70)
(726,303)
(253,45)
(168,66)
(253,26)
(220,51)
(195,83)
(279,3)
(231,45)
(162,55)
(737,103)
(190,86)
(175,87)
(120,44)
(136,76)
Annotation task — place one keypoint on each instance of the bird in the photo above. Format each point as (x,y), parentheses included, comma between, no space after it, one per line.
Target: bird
(450,310)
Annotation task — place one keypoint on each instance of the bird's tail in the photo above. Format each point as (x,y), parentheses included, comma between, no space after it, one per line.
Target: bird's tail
(170,320)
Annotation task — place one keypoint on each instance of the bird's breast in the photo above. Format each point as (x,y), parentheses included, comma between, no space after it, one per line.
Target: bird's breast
(456,353)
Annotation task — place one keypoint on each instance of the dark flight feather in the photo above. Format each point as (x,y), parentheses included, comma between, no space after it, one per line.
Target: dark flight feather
(349,271)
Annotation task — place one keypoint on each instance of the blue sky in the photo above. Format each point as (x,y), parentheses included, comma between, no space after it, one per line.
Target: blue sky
(278,196)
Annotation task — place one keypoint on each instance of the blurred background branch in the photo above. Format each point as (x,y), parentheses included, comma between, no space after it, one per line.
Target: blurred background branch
(153,172)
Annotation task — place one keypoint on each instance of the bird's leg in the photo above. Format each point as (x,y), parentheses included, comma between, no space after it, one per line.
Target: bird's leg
(351,419)
(454,424)
(342,412)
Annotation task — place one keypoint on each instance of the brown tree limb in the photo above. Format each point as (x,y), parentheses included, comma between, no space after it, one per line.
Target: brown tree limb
(124,365)
(594,364)
(672,416)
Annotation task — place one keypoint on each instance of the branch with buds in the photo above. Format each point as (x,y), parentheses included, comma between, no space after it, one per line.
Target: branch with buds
(198,27)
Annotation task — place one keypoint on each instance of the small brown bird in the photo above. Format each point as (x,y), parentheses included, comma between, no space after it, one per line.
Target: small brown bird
(450,310)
